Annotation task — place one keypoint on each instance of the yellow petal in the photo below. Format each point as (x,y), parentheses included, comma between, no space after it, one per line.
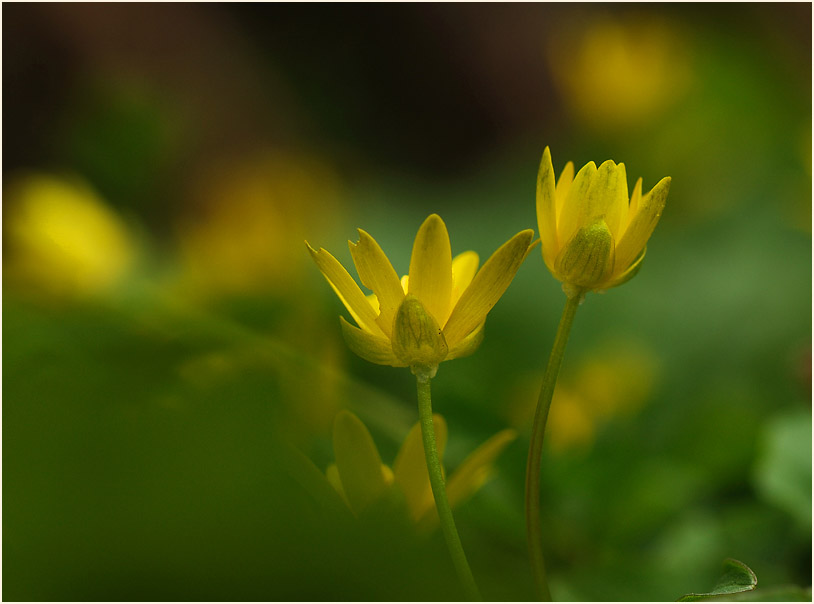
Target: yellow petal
(642,224)
(486,288)
(470,476)
(605,197)
(477,467)
(373,301)
(616,214)
(546,208)
(633,208)
(587,259)
(410,468)
(431,268)
(626,276)
(464,267)
(468,345)
(377,274)
(347,290)
(563,186)
(376,349)
(405,282)
(358,462)
(573,209)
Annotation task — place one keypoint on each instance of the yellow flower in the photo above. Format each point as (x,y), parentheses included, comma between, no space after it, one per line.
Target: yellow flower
(593,239)
(623,73)
(63,239)
(361,479)
(434,314)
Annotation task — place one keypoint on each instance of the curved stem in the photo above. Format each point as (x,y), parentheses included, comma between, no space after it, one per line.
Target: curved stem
(439,490)
(533,529)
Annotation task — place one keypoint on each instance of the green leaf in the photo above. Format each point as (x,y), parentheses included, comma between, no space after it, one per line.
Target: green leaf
(737,578)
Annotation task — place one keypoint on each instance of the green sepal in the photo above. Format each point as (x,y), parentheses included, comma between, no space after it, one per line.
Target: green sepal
(587,257)
(417,339)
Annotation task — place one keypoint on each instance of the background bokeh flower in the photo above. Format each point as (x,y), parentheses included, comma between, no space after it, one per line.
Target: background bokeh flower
(148,421)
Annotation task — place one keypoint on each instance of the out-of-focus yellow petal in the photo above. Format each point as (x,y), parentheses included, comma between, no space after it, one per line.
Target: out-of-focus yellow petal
(642,224)
(563,186)
(346,289)
(410,467)
(487,287)
(468,345)
(376,349)
(464,267)
(431,268)
(573,208)
(476,468)
(546,208)
(358,462)
(377,274)
(471,475)
(405,282)
(332,474)
(309,477)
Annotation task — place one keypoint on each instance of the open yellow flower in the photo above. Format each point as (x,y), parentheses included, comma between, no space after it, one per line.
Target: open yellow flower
(434,314)
(361,479)
(593,239)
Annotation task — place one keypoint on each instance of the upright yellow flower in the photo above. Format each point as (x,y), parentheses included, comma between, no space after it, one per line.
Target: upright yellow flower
(593,239)
(434,314)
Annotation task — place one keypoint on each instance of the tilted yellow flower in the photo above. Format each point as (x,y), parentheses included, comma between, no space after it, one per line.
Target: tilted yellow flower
(361,478)
(592,238)
(434,314)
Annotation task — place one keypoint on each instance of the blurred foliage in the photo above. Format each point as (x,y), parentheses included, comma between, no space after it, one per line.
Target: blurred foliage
(171,354)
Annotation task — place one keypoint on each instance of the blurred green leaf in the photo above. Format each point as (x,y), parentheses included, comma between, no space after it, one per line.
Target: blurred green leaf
(783,469)
(737,578)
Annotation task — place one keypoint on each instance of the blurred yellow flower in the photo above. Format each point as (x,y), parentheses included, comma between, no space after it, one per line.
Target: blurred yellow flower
(61,237)
(592,238)
(616,74)
(361,478)
(248,216)
(436,313)
(614,381)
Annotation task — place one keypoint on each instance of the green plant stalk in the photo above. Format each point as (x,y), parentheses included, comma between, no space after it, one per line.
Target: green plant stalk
(533,528)
(439,490)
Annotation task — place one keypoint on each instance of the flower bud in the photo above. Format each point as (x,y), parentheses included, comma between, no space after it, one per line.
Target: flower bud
(417,339)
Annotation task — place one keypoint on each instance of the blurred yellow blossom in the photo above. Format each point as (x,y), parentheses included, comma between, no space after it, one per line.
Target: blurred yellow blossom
(61,238)
(618,73)
(361,478)
(436,313)
(248,219)
(593,237)
(613,381)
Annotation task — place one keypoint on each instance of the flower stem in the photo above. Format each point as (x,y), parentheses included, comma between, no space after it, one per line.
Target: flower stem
(533,529)
(439,490)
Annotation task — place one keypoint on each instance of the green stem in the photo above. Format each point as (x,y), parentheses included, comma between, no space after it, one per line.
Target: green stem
(533,529)
(439,490)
